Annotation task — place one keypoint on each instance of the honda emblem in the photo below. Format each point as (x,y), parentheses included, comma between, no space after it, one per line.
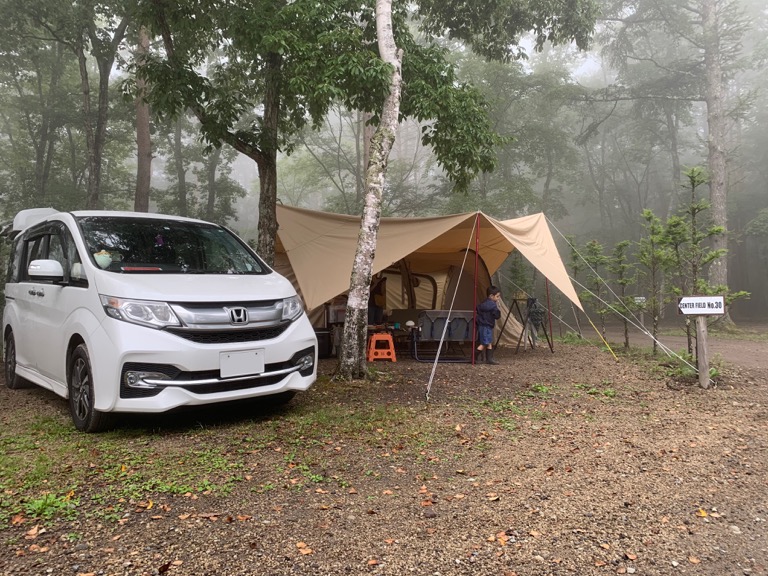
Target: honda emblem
(238,315)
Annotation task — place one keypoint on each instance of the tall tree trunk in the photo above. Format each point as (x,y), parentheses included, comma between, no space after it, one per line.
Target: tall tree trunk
(181,171)
(672,130)
(718,272)
(94,158)
(45,138)
(104,51)
(143,139)
(213,164)
(353,360)
(267,163)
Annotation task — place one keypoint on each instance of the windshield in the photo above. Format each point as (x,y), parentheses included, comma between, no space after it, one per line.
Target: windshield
(156,245)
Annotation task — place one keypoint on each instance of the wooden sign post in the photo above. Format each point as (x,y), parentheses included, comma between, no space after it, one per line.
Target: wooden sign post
(701,307)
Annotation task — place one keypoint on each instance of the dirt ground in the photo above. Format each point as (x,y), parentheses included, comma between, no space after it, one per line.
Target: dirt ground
(570,462)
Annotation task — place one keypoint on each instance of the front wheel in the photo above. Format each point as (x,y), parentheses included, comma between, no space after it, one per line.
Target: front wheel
(81,395)
(12,380)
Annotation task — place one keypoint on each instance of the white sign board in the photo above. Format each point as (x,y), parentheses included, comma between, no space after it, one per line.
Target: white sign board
(701,305)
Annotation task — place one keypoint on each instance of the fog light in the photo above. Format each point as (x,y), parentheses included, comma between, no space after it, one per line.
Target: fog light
(139,379)
(305,362)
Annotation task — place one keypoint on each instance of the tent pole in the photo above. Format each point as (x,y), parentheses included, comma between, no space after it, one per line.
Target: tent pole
(474,290)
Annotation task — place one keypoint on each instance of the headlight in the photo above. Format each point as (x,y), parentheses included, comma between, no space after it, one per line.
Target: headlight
(144,312)
(292,308)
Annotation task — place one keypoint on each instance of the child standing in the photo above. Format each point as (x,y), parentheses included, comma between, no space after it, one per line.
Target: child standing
(487,314)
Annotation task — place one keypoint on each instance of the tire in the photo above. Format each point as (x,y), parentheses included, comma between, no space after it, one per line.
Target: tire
(12,380)
(81,396)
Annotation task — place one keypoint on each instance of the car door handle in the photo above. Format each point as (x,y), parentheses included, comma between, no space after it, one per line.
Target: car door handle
(36,293)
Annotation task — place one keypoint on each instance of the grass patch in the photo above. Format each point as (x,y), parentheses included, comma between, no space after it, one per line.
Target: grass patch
(603,391)
(48,470)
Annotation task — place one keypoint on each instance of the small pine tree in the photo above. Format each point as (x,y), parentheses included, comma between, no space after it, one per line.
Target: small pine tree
(623,272)
(597,261)
(653,258)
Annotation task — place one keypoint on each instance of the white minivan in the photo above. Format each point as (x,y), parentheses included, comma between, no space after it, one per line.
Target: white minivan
(137,312)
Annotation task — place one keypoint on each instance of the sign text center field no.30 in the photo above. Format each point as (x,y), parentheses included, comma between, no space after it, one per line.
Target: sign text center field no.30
(701,305)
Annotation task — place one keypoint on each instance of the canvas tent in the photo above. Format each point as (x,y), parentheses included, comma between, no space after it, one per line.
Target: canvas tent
(316,251)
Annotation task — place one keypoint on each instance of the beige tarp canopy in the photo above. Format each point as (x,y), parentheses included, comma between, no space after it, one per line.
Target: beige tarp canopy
(316,249)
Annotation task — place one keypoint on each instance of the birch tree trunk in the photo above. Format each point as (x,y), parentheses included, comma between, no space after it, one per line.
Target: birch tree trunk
(353,354)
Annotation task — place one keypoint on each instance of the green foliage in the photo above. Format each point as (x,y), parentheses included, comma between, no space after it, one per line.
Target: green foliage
(198,180)
(48,506)
(758,226)
(493,28)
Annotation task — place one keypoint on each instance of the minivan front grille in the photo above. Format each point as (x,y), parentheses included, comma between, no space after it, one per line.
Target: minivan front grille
(174,373)
(229,336)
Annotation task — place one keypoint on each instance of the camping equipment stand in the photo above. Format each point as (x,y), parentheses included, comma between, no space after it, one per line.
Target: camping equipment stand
(525,320)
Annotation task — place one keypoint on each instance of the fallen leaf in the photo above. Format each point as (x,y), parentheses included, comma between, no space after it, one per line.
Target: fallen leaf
(17,519)
(630,556)
(605,546)
(701,513)
(373,562)
(306,551)
(184,516)
(693,560)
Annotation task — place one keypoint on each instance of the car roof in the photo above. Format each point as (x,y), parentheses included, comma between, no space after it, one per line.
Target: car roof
(31,216)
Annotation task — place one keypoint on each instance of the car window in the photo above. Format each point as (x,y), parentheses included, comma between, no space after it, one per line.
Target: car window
(56,250)
(14,261)
(33,250)
(149,245)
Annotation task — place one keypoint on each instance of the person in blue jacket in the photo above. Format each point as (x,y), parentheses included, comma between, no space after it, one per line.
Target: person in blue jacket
(487,314)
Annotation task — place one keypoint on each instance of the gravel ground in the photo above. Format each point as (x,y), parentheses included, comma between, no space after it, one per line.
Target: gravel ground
(569,462)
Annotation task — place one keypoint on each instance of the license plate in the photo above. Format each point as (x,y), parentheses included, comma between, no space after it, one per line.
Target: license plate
(243,363)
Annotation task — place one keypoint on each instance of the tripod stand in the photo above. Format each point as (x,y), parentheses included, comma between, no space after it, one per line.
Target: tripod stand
(525,320)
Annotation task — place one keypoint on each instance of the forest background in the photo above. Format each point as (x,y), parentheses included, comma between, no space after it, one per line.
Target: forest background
(595,139)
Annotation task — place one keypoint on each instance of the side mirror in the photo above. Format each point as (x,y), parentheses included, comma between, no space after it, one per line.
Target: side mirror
(46,270)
